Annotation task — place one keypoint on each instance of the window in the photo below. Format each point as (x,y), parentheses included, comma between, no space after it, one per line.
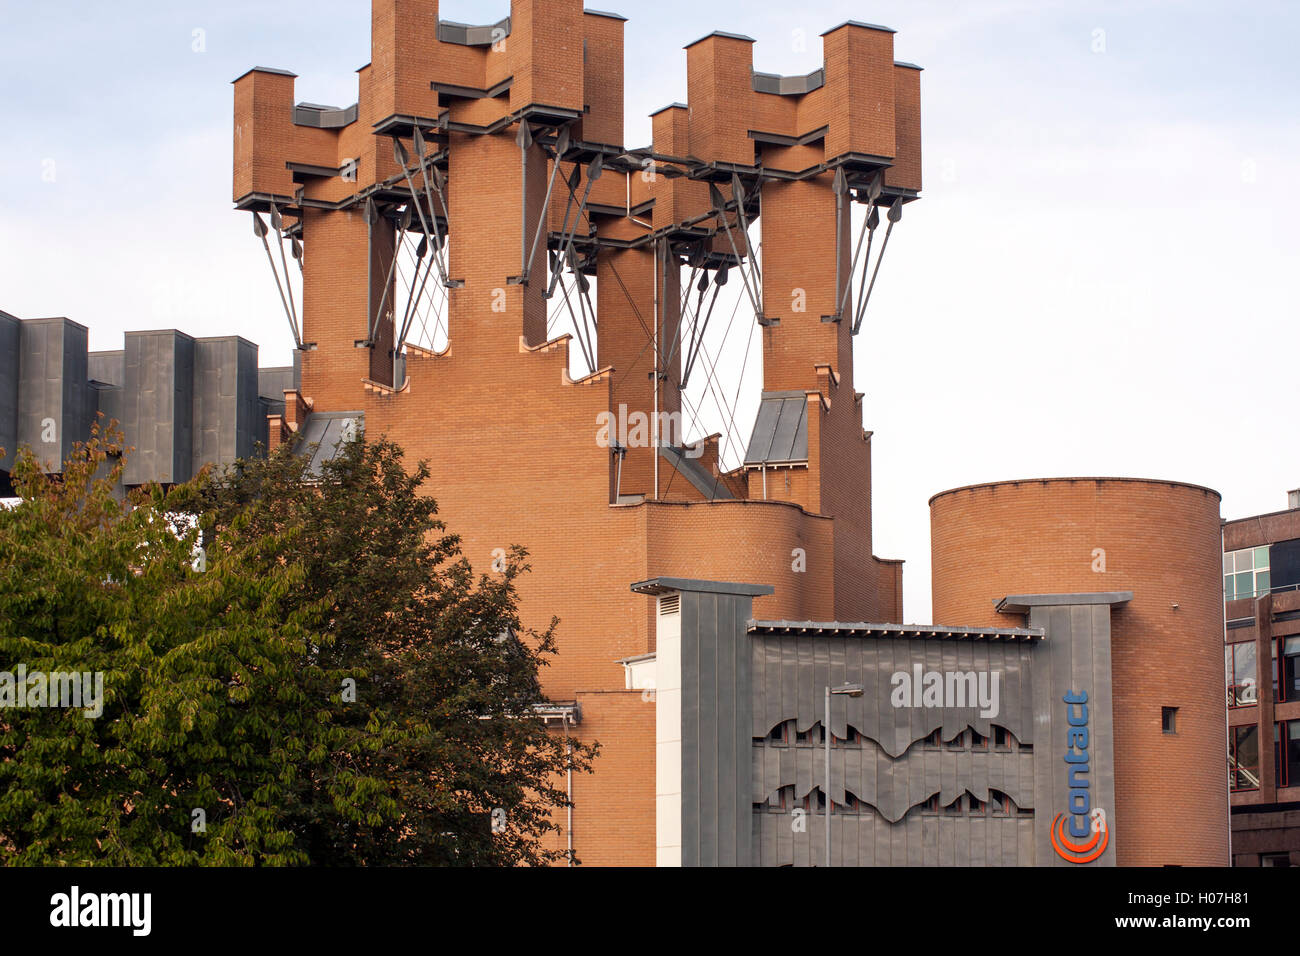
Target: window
(1287,744)
(1001,803)
(1243,758)
(1289,648)
(954,808)
(1001,738)
(814,733)
(978,741)
(780,734)
(1275,859)
(1169,720)
(1245,573)
(816,799)
(853,737)
(934,740)
(977,805)
(851,804)
(958,742)
(1239,663)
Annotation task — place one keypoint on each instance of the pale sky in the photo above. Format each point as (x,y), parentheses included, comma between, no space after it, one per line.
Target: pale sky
(1100,278)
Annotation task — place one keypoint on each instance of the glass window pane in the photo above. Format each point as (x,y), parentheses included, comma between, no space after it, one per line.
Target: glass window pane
(1245,584)
(1261,557)
(1247,754)
(1244,677)
(1228,567)
(1229,592)
(1291,669)
(1245,560)
(1261,582)
(1293,752)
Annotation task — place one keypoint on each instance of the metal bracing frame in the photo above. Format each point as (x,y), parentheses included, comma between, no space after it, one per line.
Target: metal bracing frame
(431,250)
(284,288)
(569,233)
(527,250)
(870,196)
(753,286)
(433,180)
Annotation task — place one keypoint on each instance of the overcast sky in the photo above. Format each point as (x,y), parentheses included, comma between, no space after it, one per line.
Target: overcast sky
(1100,278)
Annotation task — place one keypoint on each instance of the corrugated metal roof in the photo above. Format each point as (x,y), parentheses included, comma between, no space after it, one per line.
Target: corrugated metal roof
(324,434)
(781,430)
(895,630)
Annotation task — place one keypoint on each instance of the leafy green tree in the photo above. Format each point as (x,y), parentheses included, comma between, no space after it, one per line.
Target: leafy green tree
(203,706)
(439,657)
(324,681)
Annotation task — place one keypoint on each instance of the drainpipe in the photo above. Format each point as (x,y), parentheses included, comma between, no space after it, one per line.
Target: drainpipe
(654,378)
(568,744)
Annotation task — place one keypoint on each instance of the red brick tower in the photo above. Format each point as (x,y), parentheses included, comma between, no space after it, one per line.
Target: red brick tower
(499,148)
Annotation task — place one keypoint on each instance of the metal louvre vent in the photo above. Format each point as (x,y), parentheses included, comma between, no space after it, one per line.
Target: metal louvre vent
(670,604)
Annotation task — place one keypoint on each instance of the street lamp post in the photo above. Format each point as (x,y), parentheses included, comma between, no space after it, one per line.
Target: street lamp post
(848,690)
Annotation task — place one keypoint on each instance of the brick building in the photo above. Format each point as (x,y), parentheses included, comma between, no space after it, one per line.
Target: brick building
(1261,582)
(480,180)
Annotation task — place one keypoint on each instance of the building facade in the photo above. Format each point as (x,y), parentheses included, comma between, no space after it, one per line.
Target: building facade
(1261,587)
(480,180)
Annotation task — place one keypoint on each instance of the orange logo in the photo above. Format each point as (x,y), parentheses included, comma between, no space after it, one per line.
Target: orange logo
(1079,852)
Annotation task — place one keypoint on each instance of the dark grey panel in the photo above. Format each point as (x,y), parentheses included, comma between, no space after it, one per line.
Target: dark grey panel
(272,383)
(53,395)
(716,719)
(10,335)
(780,431)
(226,404)
(324,117)
(793,661)
(706,484)
(867,839)
(323,434)
(157,406)
(108,402)
(466,34)
(107,368)
(893,771)
(1076,659)
(788,85)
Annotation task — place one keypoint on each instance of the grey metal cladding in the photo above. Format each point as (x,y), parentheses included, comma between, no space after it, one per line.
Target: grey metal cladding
(706,484)
(1076,656)
(867,839)
(226,404)
(10,334)
(158,402)
(786,669)
(107,368)
(788,85)
(892,785)
(892,769)
(273,382)
(781,429)
(54,396)
(108,402)
(322,436)
(717,829)
(324,117)
(465,34)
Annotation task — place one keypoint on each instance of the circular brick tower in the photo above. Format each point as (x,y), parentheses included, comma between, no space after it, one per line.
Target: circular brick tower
(1161,541)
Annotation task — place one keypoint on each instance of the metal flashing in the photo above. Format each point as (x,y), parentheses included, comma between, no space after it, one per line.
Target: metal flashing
(665,585)
(1021,603)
